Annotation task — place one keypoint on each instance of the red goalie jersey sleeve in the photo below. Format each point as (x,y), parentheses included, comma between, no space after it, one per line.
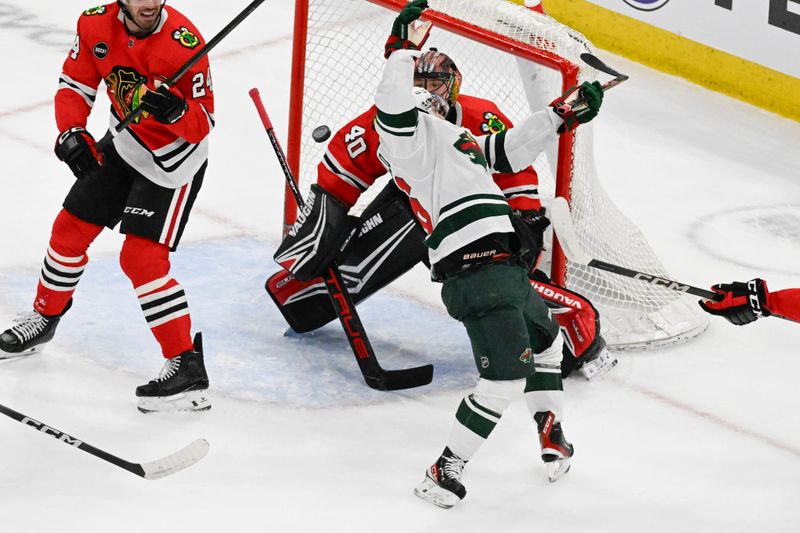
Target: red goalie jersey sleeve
(350,164)
(103,50)
(483,117)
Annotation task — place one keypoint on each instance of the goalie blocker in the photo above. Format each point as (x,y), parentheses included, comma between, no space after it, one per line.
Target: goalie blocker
(388,244)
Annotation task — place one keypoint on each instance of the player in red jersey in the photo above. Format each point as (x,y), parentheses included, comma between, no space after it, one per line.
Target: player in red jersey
(146,180)
(746,302)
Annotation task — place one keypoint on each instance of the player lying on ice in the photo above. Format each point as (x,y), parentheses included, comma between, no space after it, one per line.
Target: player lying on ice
(390,241)
(146,181)
(746,302)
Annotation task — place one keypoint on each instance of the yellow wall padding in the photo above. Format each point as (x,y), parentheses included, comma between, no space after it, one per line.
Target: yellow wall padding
(673,54)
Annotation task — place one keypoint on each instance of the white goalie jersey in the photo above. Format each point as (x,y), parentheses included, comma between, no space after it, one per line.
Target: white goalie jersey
(446,171)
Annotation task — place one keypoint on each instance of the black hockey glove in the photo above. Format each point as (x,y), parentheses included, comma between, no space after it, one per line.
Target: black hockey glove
(743,302)
(404,38)
(529,226)
(317,236)
(165,105)
(78,149)
(578,105)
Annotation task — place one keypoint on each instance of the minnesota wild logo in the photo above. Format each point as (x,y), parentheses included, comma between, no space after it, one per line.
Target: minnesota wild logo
(467,144)
(492,124)
(125,86)
(185,37)
(99,10)
(527,356)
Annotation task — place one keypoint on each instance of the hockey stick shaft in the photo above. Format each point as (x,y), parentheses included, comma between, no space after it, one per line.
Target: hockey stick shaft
(204,50)
(568,239)
(375,376)
(153,470)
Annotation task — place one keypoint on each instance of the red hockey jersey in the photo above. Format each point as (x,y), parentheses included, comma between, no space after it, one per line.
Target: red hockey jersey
(104,50)
(351,162)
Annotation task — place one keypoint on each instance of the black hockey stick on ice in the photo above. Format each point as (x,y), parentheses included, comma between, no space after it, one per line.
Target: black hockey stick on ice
(159,468)
(568,239)
(202,52)
(375,376)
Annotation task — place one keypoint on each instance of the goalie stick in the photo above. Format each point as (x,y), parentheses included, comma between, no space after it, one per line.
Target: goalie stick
(559,215)
(375,376)
(159,468)
(133,115)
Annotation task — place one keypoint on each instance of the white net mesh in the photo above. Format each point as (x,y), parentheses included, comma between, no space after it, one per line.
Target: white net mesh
(344,62)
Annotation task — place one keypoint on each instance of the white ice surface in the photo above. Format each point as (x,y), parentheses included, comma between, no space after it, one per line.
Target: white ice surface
(703,437)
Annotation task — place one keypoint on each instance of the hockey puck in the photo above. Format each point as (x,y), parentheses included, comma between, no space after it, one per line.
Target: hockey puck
(321,134)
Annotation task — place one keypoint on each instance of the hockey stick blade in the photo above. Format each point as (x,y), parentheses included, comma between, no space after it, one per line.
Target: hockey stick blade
(157,469)
(568,239)
(408,378)
(180,460)
(595,62)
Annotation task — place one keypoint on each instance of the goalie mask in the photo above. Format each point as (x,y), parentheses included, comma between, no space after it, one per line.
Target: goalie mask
(437,73)
(433,104)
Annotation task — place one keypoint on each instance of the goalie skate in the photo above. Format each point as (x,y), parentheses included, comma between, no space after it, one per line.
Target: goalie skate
(442,484)
(598,365)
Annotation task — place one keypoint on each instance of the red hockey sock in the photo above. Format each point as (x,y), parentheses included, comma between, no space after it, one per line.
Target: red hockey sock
(64,263)
(163,302)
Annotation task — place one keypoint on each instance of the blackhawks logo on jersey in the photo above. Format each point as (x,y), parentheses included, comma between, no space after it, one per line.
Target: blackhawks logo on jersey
(466,144)
(492,123)
(99,10)
(185,37)
(124,83)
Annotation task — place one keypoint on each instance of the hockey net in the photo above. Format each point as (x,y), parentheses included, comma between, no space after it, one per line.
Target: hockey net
(521,60)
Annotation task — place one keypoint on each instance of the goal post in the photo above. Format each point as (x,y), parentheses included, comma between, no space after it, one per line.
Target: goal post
(521,60)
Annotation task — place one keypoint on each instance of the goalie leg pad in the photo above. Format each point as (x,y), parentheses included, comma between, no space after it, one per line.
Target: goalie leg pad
(580,326)
(388,244)
(314,240)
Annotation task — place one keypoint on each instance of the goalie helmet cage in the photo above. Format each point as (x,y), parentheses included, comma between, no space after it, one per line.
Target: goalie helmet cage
(521,60)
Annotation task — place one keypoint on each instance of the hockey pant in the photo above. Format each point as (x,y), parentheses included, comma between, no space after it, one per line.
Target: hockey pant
(145,262)
(388,244)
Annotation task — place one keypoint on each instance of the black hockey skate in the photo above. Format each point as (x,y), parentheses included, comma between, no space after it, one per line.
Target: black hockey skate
(29,333)
(442,484)
(556,451)
(182,384)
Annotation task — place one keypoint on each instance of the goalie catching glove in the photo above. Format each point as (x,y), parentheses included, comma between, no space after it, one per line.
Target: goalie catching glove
(578,105)
(314,240)
(743,302)
(405,33)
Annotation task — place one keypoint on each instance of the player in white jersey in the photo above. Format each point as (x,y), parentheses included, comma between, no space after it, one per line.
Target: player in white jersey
(473,250)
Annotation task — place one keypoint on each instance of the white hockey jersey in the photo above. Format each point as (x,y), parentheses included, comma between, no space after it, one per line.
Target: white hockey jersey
(443,169)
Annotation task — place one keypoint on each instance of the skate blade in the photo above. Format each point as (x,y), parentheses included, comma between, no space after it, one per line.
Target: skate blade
(196,400)
(556,469)
(15,355)
(429,491)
